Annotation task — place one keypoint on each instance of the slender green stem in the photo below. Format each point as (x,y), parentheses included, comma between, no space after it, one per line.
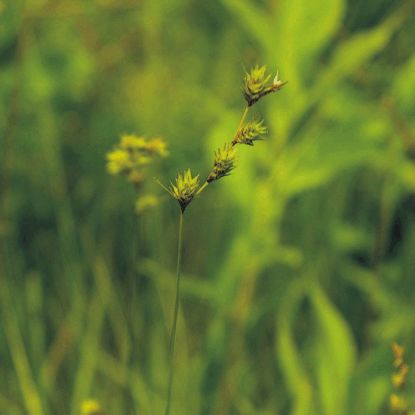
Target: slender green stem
(176,313)
(245,113)
(241,123)
(201,188)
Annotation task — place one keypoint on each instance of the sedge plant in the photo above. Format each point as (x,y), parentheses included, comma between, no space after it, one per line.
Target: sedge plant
(187,187)
(132,155)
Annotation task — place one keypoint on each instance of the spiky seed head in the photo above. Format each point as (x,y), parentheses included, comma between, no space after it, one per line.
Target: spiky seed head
(224,163)
(250,132)
(184,189)
(256,84)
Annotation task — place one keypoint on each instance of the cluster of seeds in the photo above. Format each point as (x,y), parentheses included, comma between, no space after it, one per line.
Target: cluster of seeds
(256,84)
(249,133)
(184,189)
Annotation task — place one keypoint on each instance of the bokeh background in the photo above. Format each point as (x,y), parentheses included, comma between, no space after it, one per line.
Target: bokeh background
(298,268)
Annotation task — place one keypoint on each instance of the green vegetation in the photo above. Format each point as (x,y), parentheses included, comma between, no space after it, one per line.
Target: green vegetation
(297,270)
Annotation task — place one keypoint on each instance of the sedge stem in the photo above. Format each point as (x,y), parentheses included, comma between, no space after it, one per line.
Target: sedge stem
(241,122)
(175,315)
(203,187)
(245,113)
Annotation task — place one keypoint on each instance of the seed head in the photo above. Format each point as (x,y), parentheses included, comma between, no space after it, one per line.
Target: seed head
(256,84)
(225,161)
(133,153)
(249,133)
(184,189)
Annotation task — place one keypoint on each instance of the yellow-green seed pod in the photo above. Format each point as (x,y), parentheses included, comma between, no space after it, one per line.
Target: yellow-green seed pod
(225,162)
(249,133)
(256,84)
(184,189)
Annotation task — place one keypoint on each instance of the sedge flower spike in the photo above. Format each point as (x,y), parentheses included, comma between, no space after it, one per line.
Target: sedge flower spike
(256,84)
(184,189)
(249,133)
(224,163)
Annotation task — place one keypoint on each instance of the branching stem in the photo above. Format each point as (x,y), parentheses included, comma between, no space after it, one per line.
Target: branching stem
(241,122)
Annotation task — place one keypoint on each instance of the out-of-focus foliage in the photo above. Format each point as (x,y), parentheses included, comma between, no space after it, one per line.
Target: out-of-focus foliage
(298,268)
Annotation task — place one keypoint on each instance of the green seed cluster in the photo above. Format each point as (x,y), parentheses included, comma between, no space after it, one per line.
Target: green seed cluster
(224,163)
(185,188)
(249,133)
(256,84)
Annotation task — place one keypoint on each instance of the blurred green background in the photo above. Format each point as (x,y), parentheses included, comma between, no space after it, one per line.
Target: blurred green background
(298,268)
